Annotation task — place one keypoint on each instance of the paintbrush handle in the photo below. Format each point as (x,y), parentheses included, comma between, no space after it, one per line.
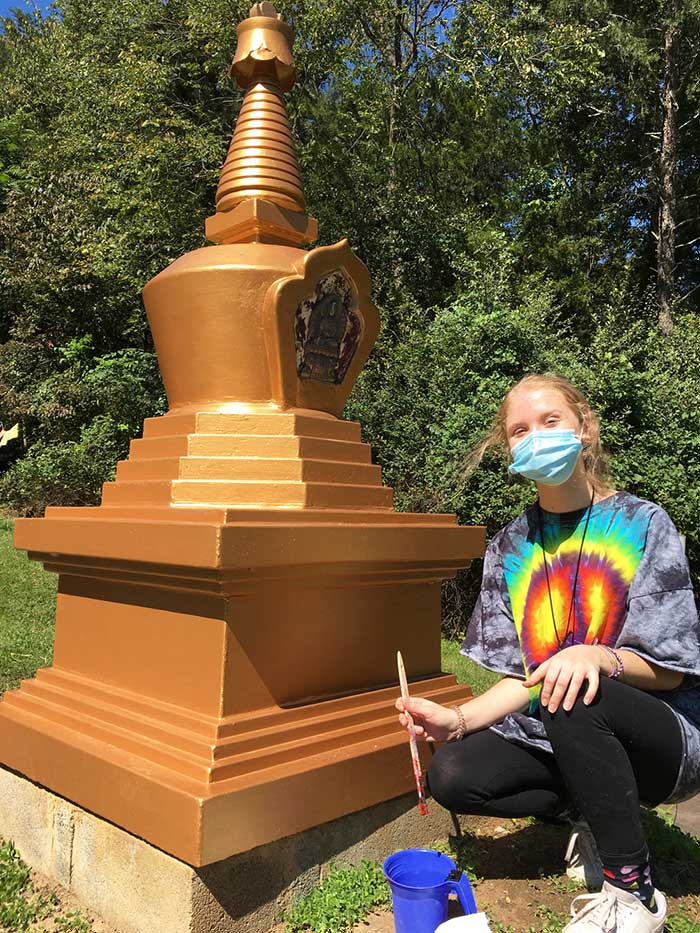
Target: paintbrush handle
(412,741)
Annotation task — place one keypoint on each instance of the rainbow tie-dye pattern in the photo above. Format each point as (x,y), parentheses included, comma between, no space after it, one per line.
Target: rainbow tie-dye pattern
(612,549)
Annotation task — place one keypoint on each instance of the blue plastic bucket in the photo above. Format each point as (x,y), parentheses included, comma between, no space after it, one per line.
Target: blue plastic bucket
(421,881)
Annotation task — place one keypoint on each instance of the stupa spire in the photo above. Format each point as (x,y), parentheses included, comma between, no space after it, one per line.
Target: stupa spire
(260,196)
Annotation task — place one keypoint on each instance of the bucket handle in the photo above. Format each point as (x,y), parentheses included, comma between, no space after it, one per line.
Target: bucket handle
(459,885)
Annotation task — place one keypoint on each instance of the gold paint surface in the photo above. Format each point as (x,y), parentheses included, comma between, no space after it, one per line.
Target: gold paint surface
(203,311)
(264,47)
(261,164)
(177,620)
(269,168)
(203,788)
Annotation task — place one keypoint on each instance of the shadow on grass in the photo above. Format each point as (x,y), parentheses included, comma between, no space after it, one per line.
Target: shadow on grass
(537,850)
(530,852)
(675,856)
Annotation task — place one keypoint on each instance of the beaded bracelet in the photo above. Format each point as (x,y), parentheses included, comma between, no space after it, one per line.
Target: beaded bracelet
(618,668)
(462,730)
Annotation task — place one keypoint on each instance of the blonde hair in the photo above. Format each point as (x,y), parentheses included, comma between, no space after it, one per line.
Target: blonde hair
(594,459)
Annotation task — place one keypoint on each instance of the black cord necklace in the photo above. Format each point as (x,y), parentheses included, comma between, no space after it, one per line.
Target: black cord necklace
(561,642)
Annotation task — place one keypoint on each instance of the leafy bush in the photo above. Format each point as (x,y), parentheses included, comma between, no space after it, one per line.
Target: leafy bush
(104,401)
(431,398)
(71,473)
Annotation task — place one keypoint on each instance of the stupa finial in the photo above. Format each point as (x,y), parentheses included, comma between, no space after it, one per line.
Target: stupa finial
(264,9)
(260,196)
(264,48)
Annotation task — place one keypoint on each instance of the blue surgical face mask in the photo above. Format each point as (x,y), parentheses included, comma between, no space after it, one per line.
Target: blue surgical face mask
(547,457)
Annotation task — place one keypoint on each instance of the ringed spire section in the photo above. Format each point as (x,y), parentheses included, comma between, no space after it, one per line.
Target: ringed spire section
(260,197)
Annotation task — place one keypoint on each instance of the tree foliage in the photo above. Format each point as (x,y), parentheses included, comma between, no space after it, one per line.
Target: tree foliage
(498,166)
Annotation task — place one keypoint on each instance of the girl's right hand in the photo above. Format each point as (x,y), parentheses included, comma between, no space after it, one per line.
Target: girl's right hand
(432,722)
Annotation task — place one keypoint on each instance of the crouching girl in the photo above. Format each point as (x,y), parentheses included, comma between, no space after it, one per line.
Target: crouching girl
(587,610)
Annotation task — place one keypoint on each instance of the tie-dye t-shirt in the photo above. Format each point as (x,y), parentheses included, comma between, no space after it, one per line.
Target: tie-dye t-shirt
(633,591)
(610,546)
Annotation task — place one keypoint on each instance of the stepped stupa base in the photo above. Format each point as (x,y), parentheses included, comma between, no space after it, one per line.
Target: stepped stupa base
(141,764)
(137,888)
(226,676)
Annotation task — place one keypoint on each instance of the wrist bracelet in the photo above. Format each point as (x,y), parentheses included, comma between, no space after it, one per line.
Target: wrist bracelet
(462,730)
(618,668)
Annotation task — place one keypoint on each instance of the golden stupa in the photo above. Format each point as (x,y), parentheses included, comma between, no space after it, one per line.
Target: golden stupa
(228,618)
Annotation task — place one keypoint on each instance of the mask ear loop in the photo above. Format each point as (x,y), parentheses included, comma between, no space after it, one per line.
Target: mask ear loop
(582,431)
(585,446)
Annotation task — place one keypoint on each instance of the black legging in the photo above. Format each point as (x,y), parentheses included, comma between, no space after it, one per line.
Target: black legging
(625,747)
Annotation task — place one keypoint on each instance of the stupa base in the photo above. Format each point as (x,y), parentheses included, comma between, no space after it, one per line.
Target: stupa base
(135,763)
(137,888)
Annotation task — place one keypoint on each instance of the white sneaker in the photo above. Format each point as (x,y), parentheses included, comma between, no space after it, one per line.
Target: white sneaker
(612,910)
(582,860)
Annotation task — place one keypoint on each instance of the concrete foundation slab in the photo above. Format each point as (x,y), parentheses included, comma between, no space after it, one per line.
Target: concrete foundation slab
(688,816)
(137,888)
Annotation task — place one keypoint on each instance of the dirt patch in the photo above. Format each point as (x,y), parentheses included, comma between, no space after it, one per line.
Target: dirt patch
(517,873)
(67,914)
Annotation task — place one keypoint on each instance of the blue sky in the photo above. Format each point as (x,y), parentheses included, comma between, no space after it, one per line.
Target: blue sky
(7,5)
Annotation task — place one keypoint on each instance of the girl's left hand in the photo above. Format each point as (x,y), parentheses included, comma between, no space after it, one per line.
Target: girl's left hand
(564,673)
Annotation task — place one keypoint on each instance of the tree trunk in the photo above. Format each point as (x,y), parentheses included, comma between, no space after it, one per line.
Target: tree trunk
(395,58)
(396,65)
(666,242)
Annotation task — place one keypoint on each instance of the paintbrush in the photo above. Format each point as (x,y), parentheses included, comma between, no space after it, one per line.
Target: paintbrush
(417,770)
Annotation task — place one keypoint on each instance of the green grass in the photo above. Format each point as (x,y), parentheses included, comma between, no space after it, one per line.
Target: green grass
(22,907)
(342,900)
(27,605)
(675,854)
(680,923)
(467,671)
(348,895)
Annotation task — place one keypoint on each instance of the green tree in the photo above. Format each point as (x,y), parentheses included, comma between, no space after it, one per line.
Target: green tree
(498,166)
